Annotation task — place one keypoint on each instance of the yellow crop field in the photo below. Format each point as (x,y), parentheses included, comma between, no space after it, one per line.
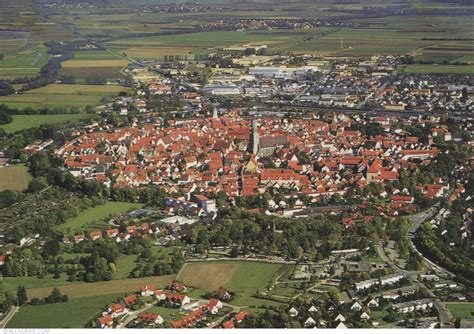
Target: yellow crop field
(94,63)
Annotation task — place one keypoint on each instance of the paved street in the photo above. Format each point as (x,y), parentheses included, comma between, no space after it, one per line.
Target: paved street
(9,316)
(418,219)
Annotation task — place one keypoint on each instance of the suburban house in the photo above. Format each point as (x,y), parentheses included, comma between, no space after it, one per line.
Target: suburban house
(147,290)
(150,318)
(178,298)
(116,310)
(105,322)
(411,306)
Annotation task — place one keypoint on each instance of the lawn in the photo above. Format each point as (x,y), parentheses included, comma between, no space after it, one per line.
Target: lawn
(243,278)
(98,213)
(57,96)
(73,314)
(461,310)
(124,265)
(285,291)
(168,314)
(21,122)
(14,178)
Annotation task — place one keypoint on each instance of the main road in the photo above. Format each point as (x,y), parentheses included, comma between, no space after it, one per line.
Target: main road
(418,219)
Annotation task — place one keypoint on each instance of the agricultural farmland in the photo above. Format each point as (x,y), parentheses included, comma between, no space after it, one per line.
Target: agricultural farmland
(21,122)
(75,313)
(25,60)
(243,278)
(83,67)
(82,289)
(439,69)
(14,178)
(57,96)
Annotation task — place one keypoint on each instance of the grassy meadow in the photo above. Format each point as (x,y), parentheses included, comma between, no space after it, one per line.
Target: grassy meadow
(97,214)
(14,178)
(58,96)
(243,278)
(75,313)
(463,310)
(22,122)
(439,69)
(102,288)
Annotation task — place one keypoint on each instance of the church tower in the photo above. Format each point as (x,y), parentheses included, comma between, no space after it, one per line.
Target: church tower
(254,142)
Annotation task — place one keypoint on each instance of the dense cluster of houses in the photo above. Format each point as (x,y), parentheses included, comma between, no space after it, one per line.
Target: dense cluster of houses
(425,94)
(240,157)
(341,82)
(415,305)
(174,294)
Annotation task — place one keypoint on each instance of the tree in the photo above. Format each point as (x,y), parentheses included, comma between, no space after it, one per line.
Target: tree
(51,248)
(37,184)
(234,252)
(128,81)
(96,81)
(21,296)
(54,297)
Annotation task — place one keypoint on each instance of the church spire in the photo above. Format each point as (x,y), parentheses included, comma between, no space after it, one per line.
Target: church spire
(254,142)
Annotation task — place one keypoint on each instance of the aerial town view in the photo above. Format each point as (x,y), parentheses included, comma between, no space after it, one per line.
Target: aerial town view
(236,164)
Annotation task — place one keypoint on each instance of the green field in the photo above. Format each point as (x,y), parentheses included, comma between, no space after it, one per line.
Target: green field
(21,122)
(12,283)
(243,278)
(57,96)
(124,265)
(461,310)
(439,69)
(25,60)
(14,178)
(98,213)
(73,314)
(41,287)
(137,33)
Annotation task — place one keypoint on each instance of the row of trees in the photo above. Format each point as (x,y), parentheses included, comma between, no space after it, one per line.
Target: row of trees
(49,73)
(54,297)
